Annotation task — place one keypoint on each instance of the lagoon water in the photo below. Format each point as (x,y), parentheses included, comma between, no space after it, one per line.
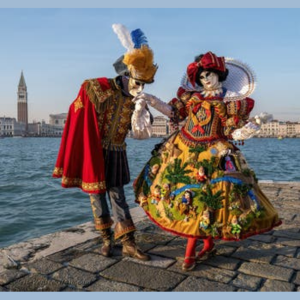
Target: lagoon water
(32,203)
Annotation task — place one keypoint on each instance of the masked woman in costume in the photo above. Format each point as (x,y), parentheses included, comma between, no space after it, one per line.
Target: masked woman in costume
(214,102)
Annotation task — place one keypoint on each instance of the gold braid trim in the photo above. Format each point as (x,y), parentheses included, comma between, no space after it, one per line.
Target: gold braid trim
(86,186)
(123,228)
(95,93)
(115,147)
(185,97)
(58,171)
(232,109)
(103,223)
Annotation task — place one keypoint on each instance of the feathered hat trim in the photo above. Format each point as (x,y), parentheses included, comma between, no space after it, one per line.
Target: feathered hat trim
(138,60)
(140,64)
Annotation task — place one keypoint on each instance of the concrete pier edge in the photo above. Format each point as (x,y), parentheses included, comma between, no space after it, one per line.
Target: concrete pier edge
(70,260)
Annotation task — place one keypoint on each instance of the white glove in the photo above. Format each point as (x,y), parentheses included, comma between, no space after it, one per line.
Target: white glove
(158,104)
(140,120)
(252,127)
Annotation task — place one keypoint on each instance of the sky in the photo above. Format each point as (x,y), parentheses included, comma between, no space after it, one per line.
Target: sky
(58,49)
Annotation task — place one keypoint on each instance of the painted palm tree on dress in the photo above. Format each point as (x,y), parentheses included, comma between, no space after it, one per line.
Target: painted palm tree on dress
(212,200)
(177,174)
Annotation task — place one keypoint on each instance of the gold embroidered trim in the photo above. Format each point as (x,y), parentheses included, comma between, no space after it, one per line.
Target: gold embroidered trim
(124,231)
(58,171)
(77,182)
(101,224)
(116,147)
(95,93)
(185,97)
(78,104)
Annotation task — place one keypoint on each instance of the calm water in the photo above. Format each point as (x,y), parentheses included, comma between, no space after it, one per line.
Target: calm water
(32,203)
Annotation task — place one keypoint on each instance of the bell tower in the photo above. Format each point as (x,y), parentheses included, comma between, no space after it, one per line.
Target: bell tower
(23,102)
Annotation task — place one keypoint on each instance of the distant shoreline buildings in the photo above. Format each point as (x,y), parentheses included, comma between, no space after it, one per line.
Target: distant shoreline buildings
(281,129)
(10,127)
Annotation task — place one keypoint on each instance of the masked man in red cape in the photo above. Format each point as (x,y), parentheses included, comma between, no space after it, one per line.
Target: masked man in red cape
(92,154)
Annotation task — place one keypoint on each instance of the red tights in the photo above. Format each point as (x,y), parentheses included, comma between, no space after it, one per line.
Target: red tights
(190,252)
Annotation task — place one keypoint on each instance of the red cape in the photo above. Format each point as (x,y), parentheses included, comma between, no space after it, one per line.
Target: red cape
(80,160)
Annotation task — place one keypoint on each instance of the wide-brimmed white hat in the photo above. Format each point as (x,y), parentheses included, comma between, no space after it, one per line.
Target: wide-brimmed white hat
(240,82)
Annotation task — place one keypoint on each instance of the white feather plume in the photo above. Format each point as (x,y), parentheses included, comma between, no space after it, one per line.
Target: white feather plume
(124,36)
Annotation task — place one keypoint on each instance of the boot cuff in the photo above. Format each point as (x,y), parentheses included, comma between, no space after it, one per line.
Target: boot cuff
(103,222)
(123,228)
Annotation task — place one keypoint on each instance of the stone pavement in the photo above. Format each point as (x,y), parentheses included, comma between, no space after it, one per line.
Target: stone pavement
(70,260)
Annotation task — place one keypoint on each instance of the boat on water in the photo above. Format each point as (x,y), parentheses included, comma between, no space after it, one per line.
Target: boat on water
(280,137)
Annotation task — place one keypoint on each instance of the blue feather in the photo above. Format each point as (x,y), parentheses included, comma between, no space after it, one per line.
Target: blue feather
(138,38)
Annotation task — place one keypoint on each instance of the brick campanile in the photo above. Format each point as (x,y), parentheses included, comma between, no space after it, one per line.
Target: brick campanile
(22,102)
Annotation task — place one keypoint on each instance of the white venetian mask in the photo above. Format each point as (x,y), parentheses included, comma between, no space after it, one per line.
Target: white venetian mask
(209,80)
(135,87)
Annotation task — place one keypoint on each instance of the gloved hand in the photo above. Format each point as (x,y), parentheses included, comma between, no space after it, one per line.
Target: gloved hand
(156,103)
(149,98)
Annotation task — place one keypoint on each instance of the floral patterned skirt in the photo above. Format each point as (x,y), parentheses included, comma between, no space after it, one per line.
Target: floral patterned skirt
(200,189)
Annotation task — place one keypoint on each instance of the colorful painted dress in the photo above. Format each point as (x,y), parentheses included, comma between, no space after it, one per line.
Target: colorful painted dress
(198,183)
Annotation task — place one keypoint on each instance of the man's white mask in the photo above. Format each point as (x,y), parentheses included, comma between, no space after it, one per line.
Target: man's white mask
(135,87)
(209,80)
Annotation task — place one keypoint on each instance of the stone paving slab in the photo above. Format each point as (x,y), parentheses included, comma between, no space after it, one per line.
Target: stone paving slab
(66,255)
(74,277)
(143,276)
(254,255)
(168,251)
(43,266)
(10,275)
(277,286)
(156,261)
(222,262)
(297,278)
(104,285)
(92,262)
(35,282)
(89,245)
(288,242)
(206,271)
(266,271)
(224,250)
(285,250)
(247,282)
(287,262)
(193,284)
(179,242)
(287,234)
(265,238)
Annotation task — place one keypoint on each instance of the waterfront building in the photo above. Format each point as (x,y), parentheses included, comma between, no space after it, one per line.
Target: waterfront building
(270,129)
(58,120)
(23,102)
(9,127)
(45,129)
(160,127)
(33,129)
(279,128)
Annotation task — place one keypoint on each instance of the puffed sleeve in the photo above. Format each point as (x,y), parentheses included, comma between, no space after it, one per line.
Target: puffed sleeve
(238,112)
(179,104)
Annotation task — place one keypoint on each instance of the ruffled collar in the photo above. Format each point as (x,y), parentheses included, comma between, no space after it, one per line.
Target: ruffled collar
(217,91)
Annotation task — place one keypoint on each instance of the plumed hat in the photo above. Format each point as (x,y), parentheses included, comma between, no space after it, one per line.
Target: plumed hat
(138,60)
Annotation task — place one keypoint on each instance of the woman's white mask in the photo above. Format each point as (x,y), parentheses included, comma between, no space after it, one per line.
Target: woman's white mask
(209,80)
